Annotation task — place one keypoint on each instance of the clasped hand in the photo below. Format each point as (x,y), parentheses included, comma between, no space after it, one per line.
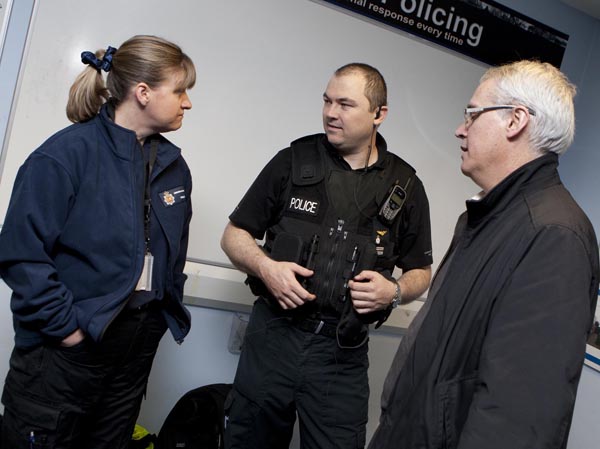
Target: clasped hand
(281,280)
(369,290)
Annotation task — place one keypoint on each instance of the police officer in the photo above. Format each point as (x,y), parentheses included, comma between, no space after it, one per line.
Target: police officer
(340,212)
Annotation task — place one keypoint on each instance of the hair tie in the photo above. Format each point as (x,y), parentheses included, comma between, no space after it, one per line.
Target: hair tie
(89,58)
(107,59)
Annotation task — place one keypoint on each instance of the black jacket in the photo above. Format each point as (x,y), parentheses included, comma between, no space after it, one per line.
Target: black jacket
(497,359)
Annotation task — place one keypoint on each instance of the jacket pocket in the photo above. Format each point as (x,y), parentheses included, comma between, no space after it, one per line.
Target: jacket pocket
(453,400)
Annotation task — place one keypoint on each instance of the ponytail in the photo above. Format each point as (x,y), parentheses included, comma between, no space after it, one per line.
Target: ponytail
(88,93)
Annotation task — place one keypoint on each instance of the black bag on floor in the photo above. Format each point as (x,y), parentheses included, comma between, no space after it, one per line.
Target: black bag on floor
(196,420)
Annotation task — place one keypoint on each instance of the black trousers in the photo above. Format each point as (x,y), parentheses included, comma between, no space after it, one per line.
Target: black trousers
(283,371)
(84,397)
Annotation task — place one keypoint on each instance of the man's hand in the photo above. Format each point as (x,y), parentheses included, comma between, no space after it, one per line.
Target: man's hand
(280,278)
(371,291)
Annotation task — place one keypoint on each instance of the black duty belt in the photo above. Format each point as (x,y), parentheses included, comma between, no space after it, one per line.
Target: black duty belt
(316,327)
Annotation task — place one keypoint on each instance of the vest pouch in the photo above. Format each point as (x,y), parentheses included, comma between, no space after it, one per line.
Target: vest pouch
(286,247)
(257,287)
(351,331)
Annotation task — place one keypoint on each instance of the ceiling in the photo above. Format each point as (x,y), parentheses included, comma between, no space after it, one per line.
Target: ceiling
(590,7)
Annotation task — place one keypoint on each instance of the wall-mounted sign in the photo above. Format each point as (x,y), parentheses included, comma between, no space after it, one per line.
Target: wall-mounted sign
(483,30)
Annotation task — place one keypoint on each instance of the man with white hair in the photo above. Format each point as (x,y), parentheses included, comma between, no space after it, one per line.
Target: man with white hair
(494,358)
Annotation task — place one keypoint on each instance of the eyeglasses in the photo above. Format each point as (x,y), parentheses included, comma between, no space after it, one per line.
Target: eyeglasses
(472,113)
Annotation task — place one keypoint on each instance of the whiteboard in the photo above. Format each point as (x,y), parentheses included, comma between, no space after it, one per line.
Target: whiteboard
(262,68)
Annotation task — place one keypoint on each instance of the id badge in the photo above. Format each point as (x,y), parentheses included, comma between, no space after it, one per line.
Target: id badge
(145,281)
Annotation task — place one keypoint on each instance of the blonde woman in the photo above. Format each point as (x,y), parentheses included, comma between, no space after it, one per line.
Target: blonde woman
(93,247)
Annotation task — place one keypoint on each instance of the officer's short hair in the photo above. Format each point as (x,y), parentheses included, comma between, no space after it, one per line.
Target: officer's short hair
(375,87)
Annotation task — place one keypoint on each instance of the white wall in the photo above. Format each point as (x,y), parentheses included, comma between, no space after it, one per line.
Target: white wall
(6,332)
(584,430)
(204,359)
(13,35)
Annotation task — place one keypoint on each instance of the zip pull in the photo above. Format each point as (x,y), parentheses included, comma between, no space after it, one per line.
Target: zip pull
(340,225)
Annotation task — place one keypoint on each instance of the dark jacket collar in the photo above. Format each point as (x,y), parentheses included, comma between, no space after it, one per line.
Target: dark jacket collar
(123,142)
(540,172)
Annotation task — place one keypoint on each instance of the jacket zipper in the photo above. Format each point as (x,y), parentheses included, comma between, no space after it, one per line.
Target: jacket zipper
(124,303)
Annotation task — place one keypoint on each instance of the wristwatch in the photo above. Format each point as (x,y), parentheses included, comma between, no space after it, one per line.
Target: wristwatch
(397,299)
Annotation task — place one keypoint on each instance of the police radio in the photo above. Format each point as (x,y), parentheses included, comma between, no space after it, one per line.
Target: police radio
(393,203)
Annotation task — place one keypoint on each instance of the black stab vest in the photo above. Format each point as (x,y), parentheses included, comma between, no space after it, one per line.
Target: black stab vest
(331,227)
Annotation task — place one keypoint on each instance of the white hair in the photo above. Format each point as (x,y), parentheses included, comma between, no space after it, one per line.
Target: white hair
(543,88)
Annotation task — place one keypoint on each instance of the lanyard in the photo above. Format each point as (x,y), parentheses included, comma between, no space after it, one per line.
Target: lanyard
(147,195)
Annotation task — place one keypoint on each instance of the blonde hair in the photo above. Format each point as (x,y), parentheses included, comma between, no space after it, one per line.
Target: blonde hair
(142,58)
(548,92)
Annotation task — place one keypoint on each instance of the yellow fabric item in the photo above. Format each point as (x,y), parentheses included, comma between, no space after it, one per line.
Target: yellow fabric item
(140,432)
